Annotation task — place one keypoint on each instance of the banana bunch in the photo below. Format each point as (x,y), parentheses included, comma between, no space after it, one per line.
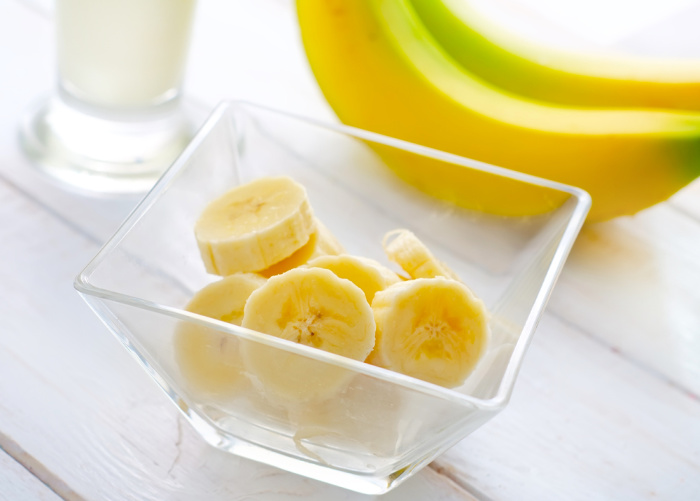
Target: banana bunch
(381,69)
(285,275)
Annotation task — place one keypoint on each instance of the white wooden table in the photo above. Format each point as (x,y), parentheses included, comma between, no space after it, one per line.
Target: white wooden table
(607,403)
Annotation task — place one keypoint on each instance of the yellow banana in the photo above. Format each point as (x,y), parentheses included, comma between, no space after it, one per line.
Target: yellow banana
(381,70)
(558,76)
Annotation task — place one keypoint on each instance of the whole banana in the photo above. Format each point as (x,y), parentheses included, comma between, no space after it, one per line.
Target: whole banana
(382,71)
(540,72)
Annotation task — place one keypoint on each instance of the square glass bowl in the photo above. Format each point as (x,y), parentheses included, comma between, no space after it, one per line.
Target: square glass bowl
(381,427)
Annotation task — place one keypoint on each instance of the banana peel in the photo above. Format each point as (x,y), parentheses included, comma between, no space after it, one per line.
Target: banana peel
(381,70)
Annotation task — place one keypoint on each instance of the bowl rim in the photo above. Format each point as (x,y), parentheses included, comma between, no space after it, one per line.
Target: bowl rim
(582,204)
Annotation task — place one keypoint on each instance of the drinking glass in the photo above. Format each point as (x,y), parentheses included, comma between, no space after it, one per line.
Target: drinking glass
(115,121)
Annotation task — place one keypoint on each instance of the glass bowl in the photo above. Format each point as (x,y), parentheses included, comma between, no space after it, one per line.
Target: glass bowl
(381,427)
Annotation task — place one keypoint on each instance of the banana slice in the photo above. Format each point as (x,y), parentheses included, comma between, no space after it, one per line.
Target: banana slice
(321,243)
(209,359)
(406,250)
(254,225)
(313,307)
(367,274)
(432,329)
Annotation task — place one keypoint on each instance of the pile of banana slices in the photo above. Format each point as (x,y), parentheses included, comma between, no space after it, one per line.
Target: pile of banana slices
(286,275)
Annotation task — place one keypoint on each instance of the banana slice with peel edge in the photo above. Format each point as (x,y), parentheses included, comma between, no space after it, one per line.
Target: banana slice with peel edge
(432,329)
(254,226)
(405,249)
(209,359)
(314,307)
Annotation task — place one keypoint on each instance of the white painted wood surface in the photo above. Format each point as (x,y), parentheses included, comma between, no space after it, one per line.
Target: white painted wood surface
(606,408)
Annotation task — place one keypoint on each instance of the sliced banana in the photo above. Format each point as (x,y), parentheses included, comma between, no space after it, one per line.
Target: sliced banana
(209,359)
(367,274)
(321,243)
(432,329)
(406,250)
(314,307)
(254,225)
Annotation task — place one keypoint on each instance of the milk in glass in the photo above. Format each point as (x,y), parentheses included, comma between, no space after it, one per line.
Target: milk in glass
(122,53)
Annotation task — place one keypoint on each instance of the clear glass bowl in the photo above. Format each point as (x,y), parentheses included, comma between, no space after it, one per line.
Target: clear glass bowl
(382,427)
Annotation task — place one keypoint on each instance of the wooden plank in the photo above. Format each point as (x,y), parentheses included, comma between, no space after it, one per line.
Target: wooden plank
(16,482)
(632,284)
(583,424)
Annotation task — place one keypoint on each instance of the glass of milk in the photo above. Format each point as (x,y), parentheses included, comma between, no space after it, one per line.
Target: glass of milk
(115,121)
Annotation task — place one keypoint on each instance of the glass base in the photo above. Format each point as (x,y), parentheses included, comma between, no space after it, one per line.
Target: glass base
(364,483)
(98,155)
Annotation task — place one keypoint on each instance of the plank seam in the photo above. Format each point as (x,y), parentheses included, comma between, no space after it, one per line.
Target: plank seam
(38,470)
(677,386)
(683,211)
(457,482)
(70,224)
